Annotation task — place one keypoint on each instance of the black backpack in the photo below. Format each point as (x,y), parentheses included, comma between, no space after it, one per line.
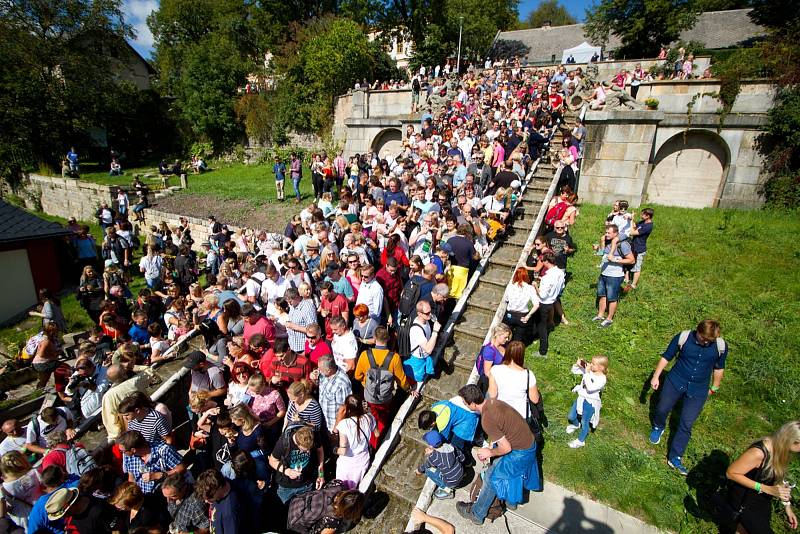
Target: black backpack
(404,337)
(409,297)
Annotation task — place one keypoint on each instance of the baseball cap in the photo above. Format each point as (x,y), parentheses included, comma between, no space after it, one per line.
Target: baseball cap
(194,359)
(59,502)
(433,438)
(446,247)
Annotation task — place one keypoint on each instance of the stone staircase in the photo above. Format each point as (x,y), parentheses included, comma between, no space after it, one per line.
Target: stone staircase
(396,486)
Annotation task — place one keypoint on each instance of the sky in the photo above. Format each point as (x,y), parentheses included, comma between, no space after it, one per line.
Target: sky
(136,12)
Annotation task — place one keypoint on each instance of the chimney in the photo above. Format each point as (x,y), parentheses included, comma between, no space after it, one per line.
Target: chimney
(546,24)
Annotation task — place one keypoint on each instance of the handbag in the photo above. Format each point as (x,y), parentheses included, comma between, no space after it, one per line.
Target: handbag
(534,412)
(496,509)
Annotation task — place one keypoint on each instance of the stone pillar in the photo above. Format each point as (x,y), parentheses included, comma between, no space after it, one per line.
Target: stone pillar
(184,181)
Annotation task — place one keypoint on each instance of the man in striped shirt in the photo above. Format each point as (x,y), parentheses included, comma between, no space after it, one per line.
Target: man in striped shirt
(334,387)
(139,413)
(302,313)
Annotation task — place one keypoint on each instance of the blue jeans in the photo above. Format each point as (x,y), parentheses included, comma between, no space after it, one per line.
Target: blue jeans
(153,283)
(692,406)
(486,497)
(586,418)
(296,185)
(609,286)
(435,477)
(285,494)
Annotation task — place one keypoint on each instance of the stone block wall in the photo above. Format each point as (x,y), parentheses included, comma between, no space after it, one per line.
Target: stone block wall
(66,197)
(615,163)
(674,96)
(746,174)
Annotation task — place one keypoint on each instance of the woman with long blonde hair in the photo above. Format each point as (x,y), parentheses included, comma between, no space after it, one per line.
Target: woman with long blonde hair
(21,486)
(759,474)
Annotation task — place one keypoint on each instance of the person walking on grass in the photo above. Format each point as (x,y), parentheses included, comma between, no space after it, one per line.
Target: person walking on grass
(279,170)
(701,357)
(296,173)
(616,254)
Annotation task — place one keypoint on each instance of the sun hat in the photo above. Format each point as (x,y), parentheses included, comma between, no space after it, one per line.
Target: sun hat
(60,502)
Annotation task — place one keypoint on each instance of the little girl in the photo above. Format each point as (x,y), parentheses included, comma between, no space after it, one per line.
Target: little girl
(183,328)
(158,345)
(588,403)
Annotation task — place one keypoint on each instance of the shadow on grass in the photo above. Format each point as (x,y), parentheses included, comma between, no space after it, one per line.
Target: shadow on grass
(706,477)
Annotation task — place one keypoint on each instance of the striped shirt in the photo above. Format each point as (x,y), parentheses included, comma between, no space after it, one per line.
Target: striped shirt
(312,414)
(303,315)
(333,390)
(154,427)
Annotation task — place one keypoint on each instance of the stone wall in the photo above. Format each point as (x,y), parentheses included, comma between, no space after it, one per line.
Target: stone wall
(66,197)
(617,150)
(674,96)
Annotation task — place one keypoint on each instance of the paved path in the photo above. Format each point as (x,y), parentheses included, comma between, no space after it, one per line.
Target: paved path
(556,509)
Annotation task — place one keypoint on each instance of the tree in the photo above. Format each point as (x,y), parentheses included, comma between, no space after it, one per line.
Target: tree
(55,84)
(508,49)
(481,19)
(550,11)
(642,25)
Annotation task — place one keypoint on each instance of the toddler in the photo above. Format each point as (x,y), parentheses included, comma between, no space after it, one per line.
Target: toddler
(444,464)
(588,403)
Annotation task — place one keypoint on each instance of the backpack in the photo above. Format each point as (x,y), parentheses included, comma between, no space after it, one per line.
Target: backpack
(409,297)
(415,85)
(684,336)
(555,213)
(32,345)
(78,460)
(306,509)
(404,338)
(379,386)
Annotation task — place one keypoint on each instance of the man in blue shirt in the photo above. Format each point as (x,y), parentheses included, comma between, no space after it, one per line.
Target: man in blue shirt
(395,195)
(279,170)
(52,478)
(72,157)
(702,357)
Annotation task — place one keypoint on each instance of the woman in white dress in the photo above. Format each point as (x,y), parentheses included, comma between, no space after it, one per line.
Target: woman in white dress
(511,382)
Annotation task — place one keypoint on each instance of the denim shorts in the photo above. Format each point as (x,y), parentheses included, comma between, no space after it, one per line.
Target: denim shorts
(608,287)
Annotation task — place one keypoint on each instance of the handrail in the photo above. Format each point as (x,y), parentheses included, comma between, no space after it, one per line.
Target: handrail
(410,403)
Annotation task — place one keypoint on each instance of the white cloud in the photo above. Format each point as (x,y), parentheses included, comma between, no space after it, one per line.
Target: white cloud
(136,13)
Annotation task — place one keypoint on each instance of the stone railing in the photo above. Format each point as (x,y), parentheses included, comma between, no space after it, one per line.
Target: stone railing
(674,96)
(66,197)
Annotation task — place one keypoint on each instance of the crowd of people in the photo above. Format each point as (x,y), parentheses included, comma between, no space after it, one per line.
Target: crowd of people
(310,339)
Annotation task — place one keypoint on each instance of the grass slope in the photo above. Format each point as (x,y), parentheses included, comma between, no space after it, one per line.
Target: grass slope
(740,267)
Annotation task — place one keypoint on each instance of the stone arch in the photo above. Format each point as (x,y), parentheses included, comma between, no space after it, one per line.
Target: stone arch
(388,141)
(689,170)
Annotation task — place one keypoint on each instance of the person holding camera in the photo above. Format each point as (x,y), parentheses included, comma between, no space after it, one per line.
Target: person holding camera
(86,388)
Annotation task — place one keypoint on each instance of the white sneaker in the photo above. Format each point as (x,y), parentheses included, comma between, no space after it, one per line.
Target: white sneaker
(572,428)
(576,444)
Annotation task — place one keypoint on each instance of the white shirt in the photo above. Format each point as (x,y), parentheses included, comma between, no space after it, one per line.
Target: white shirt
(357,435)
(344,347)
(11,443)
(521,298)
(511,386)
(254,286)
(152,266)
(271,291)
(371,294)
(551,285)
(419,337)
(40,438)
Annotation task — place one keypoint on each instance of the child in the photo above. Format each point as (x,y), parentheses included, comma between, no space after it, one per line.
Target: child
(158,345)
(621,218)
(454,420)
(184,327)
(588,403)
(279,170)
(138,331)
(443,464)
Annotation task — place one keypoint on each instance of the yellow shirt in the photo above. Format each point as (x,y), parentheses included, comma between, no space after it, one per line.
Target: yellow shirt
(395,367)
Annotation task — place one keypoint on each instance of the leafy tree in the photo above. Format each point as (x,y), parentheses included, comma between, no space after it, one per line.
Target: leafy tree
(55,83)
(642,25)
(482,19)
(550,11)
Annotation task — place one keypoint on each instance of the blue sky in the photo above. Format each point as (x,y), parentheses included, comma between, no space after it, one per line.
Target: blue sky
(136,12)
(577,8)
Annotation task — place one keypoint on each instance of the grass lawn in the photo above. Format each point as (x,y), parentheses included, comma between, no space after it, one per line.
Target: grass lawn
(237,193)
(740,267)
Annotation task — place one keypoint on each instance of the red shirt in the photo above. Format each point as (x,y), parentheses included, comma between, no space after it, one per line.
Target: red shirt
(334,308)
(320,349)
(298,369)
(56,456)
(263,326)
(555,100)
(398,254)
(392,286)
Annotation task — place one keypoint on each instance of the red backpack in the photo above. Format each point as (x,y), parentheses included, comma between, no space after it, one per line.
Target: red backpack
(555,213)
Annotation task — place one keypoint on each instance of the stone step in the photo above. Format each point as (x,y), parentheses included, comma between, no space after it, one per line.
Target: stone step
(477,319)
(385,512)
(467,331)
(496,277)
(448,382)
(397,474)
(517,238)
(506,252)
(463,354)
(411,430)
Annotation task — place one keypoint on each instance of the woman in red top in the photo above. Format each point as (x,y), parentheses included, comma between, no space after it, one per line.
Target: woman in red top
(394,250)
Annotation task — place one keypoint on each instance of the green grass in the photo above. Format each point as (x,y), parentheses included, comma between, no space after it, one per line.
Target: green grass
(740,267)
(225,181)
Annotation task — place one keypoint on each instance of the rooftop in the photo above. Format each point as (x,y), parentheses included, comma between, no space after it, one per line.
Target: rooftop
(716,29)
(17,224)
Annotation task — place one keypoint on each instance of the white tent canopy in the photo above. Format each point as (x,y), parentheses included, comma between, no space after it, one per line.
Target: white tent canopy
(582,53)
